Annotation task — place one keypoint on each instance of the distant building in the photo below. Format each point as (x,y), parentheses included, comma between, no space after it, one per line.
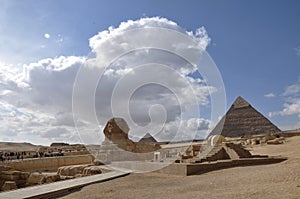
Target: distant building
(59,144)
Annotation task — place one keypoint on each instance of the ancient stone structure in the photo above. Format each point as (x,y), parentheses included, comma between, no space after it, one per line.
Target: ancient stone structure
(218,151)
(13,179)
(18,177)
(216,139)
(200,168)
(51,177)
(148,139)
(71,170)
(59,144)
(79,170)
(279,140)
(116,131)
(92,170)
(9,185)
(36,178)
(118,147)
(243,120)
(49,163)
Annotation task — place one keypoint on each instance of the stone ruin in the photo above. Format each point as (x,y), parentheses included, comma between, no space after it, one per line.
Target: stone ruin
(69,172)
(13,179)
(216,148)
(118,147)
(116,131)
(148,138)
(59,144)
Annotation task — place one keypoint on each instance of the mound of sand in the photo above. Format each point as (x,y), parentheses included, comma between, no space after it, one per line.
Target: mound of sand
(15,147)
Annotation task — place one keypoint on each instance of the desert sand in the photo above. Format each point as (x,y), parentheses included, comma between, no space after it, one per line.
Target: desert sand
(280,180)
(17,147)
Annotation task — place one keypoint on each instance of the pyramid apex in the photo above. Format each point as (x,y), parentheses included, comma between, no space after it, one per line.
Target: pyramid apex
(148,138)
(240,103)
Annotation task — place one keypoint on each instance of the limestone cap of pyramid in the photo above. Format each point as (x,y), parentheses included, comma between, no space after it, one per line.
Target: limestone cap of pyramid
(240,103)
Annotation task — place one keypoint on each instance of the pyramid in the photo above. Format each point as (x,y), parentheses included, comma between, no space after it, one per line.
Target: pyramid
(148,139)
(243,120)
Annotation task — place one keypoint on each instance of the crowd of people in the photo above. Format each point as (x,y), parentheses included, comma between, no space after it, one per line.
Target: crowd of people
(9,156)
(47,154)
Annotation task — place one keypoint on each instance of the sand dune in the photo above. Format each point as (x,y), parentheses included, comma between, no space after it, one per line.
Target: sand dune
(14,146)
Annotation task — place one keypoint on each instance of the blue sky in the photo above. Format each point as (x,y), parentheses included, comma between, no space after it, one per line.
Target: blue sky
(255,44)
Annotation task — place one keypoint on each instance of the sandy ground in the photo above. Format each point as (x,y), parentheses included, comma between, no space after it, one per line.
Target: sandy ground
(280,180)
(16,147)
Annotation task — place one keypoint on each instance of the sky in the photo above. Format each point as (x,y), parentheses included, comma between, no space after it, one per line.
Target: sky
(255,46)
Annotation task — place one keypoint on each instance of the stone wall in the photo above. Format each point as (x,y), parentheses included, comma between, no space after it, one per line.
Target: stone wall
(200,168)
(239,150)
(18,177)
(186,169)
(192,169)
(49,163)
(290,133)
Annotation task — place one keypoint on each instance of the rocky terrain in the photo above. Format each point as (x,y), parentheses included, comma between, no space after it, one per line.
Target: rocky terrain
(13,179)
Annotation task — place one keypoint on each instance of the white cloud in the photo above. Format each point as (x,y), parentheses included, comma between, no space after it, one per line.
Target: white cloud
(186,129)
(268,95)
(292,104)
(292,107)
(147,32)
(292,90)
(297,49)
(37,99)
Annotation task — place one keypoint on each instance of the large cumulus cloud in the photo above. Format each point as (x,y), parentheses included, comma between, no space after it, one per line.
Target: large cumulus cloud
(37,100)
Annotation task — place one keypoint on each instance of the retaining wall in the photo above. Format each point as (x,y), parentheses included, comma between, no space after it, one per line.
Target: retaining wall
(223,164)
(49,163)
(185,169)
